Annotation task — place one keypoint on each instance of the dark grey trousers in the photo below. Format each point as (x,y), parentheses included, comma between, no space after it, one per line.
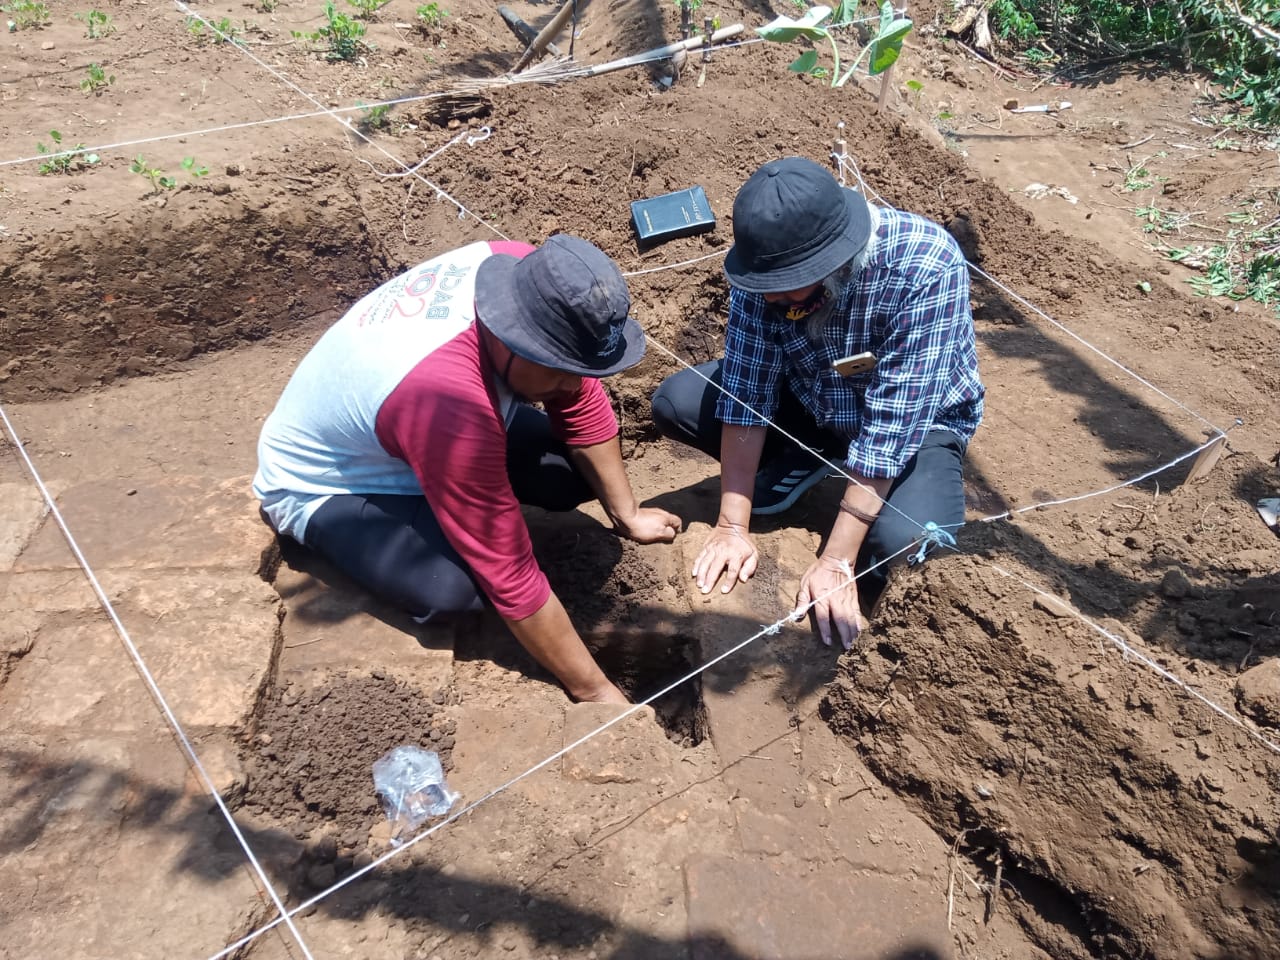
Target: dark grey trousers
(930,487)
(393,545)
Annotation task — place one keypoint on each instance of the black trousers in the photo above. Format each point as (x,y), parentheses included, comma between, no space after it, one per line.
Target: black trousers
(393,546)
(930,487)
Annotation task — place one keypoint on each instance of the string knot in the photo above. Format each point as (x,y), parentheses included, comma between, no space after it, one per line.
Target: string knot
(931,536)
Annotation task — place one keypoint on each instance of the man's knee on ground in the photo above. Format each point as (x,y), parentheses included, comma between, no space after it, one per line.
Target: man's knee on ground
(663,413)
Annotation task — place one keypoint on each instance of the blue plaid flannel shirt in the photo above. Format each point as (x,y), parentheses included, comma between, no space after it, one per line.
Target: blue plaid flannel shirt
(909,305)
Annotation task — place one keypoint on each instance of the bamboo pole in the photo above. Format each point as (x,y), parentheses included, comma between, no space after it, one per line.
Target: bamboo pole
(546,35)
(724,33)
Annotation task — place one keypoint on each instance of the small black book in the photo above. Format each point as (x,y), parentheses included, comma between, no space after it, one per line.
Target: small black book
(679,214)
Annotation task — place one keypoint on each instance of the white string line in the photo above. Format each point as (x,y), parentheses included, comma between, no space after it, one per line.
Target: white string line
(768,630)
(472,140)
(1128,651)
(1111,489)
(198,133)
(1081,340)
(1061,326)
(311,115)
(674,266)
(346,124)
(801,444)
(150,681)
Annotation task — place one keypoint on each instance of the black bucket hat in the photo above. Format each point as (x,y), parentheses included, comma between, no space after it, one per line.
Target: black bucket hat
(793,226)
(565,306)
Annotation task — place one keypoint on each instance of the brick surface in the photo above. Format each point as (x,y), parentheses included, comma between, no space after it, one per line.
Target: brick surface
(770,911)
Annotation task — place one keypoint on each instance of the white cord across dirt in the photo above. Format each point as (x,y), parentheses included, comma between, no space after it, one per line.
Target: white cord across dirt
(150,680)
(1130,653)
(765,631)
(286,916)
(842,160)
(346,123)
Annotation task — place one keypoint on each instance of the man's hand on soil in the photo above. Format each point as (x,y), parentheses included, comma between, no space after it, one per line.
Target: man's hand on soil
(728,551)
(650,525)
(837,609)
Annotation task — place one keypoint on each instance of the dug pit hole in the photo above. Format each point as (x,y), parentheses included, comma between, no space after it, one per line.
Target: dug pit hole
(642,661)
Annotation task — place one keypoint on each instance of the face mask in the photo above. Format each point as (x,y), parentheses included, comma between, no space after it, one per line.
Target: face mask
(805,308)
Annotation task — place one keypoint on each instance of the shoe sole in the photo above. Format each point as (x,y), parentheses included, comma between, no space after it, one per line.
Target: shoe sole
(808,483)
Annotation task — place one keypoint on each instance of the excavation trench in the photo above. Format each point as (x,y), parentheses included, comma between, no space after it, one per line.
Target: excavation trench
(146,288)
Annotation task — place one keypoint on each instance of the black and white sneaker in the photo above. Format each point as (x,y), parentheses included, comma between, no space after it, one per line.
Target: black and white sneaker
(781,481)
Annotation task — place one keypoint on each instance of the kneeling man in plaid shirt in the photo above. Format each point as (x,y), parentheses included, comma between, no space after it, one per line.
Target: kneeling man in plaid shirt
(819,275)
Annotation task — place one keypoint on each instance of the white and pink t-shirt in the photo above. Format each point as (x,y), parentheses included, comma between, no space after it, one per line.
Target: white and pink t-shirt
(398,397)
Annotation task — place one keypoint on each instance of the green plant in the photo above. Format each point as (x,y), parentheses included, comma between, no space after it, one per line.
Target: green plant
(365,9)
(344,34)
(97,80)
(1243,265)
(430,15)
(376,118)
(196,170)
(268,6)
(1013,22)
(159,181)
(97,24)
(64,161)
(1135,178)
(1237,42)
(26,13)
(916,88)
(881,52)
(224,31)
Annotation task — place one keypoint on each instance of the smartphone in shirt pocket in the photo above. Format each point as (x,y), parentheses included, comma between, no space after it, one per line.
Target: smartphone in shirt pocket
(853,365)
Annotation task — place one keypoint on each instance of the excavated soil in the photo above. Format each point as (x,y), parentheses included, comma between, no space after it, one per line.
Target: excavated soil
(316,774)
(1114,814)
(1120,815)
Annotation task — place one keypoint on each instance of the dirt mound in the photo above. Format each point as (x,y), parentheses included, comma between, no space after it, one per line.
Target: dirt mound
(310,754)
(1122,817)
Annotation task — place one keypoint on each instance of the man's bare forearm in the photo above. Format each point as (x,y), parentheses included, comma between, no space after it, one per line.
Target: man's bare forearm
(550,638)
(740,449)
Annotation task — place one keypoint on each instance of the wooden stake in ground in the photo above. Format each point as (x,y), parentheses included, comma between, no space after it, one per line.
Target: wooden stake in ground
(886,78)
(1207,460)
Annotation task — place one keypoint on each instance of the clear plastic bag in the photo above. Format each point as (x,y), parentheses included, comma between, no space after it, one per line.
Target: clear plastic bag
(411,782)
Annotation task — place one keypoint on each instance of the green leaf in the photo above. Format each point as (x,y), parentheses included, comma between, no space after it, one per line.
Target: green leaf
(784,29)
(805,62)
(886,16)
(915,86)
(887,46)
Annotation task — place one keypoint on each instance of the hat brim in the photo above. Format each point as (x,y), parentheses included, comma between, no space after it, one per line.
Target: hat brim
(503,311)
(813,269)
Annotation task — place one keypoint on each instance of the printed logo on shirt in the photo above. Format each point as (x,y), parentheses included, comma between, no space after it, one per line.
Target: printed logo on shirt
(407,301)
(453,278)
